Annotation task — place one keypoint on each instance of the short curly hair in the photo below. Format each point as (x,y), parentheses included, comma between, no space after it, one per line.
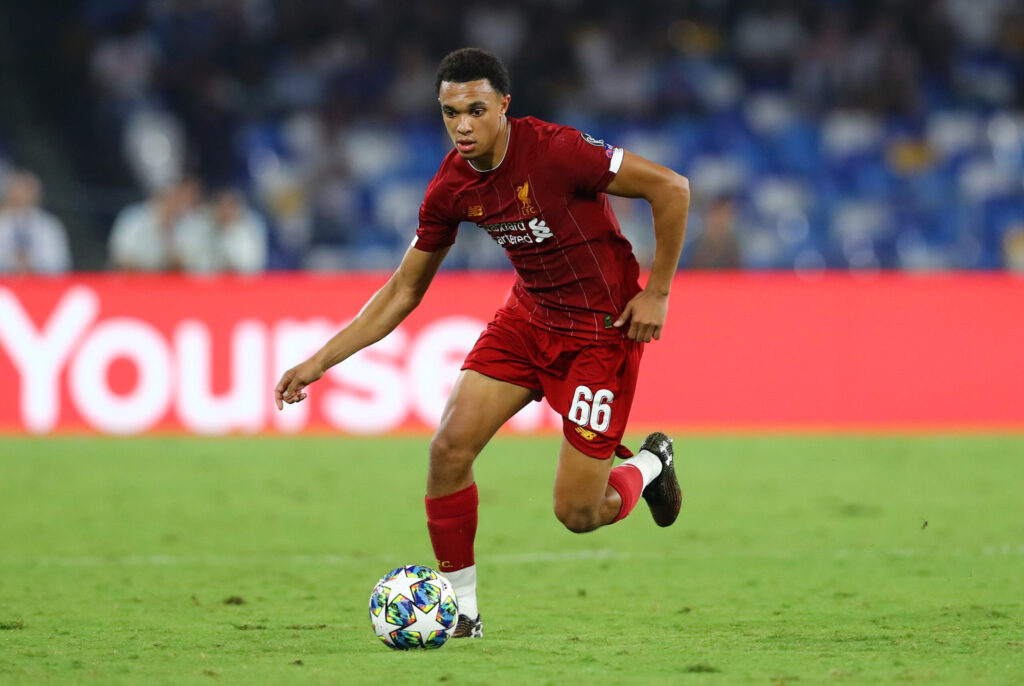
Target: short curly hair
(473,64)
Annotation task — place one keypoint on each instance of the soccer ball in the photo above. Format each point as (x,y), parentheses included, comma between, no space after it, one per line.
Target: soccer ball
(413,607)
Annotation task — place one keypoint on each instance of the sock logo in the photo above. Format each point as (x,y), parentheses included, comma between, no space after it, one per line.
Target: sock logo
(444,564)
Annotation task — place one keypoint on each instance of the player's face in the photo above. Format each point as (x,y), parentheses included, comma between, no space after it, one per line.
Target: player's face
(474,114)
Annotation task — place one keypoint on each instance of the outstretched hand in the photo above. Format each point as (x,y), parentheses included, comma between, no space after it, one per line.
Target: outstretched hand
(645,314)
(290,388)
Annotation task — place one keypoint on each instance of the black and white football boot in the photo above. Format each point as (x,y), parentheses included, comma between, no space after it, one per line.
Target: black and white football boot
(469,628)
(663,495)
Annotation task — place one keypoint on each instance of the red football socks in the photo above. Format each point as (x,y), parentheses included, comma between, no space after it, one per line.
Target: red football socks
(628,480)
(451,521)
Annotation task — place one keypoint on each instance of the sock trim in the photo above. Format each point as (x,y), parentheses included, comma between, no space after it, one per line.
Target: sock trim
(454,504)
(628,482)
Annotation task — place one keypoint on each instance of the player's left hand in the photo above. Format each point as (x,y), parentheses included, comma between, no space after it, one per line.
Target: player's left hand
(646,314)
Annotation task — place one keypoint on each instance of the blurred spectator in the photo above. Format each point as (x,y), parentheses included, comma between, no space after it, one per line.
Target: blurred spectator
(312,110)
(147,236)
(1013,248)
(716,247)
(227,236)
(31,239)
(123,63)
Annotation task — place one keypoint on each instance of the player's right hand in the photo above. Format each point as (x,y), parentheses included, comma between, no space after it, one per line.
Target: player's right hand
(290,388)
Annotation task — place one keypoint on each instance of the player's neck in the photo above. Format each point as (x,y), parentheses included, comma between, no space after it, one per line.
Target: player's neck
(498,154)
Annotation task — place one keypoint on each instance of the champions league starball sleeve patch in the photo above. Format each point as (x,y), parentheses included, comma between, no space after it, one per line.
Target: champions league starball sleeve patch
(610,151)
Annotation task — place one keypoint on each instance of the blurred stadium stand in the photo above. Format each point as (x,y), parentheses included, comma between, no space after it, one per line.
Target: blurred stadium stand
(847,134)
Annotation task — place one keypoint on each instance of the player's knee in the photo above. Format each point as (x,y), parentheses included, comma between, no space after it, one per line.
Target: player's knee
(447,456)
(578,520)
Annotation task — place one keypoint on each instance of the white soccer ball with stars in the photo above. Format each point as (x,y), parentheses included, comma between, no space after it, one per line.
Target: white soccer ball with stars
(413,607)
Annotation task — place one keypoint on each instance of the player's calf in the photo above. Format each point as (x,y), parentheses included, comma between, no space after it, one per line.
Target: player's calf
(583,500)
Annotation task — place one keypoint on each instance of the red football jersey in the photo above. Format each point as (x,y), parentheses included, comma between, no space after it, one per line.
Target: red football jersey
(544,204)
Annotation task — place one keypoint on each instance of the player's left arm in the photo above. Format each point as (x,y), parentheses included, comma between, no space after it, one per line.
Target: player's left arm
(668,194)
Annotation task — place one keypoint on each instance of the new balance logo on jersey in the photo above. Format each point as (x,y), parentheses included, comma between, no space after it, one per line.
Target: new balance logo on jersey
(540,230)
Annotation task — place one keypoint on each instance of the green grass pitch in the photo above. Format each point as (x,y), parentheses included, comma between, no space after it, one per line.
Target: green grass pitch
(797,560)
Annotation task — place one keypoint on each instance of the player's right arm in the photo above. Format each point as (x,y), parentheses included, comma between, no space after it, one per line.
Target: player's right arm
(379,317)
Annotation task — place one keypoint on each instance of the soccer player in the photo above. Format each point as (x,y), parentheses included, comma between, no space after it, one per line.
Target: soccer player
(572,330)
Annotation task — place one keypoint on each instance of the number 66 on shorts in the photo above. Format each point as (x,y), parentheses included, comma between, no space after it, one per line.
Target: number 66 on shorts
(593,408)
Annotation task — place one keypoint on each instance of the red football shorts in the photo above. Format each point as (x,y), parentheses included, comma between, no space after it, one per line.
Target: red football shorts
(590,383)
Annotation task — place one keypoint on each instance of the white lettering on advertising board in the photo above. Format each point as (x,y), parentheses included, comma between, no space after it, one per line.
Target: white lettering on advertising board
(400,378)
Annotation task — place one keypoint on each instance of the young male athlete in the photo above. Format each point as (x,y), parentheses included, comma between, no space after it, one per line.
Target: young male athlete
(572,330)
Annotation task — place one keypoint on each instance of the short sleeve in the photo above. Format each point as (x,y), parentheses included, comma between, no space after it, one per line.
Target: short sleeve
(437,228)
(588,163)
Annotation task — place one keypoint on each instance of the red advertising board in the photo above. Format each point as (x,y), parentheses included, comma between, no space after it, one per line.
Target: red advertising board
(132,354)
